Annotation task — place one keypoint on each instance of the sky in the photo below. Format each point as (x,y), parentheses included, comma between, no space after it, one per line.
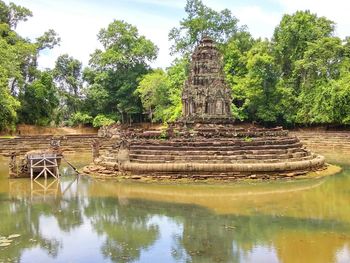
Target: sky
(78,21)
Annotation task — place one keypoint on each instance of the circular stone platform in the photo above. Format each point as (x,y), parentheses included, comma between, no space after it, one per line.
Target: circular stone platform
(207,151)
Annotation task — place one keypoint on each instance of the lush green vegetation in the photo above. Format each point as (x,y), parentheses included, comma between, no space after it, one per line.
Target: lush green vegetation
(298,77)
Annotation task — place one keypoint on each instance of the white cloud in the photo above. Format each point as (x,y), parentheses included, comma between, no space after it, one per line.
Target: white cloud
(259,22)
(336,10)
(78,25)
(78,22)
(168,3)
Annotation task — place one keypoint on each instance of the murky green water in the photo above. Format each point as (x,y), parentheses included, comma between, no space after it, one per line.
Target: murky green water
(89,220)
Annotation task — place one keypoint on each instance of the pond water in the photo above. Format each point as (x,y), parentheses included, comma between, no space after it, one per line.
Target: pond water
(89,220)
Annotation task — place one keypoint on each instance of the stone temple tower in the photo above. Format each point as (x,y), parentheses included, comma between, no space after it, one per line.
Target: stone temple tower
(206,96)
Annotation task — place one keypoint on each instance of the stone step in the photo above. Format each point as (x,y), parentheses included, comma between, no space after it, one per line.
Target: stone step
(208,142)
(109,159)
(213,143)
(273,160)
(217,147)
(187,157)
(218,152)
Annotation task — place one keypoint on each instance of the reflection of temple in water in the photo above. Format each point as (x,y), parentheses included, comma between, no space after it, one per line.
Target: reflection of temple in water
(209,237)
(132,227)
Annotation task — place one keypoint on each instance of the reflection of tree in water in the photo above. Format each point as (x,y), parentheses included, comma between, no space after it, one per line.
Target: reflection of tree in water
(205,238)
(126,224)
(68,213)
(130,226)
(208,237)
(20,215)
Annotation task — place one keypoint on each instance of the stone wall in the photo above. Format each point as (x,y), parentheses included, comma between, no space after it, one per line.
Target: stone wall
(324,141)
(69,143)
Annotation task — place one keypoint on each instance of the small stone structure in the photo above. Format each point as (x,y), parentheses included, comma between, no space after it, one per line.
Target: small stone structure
(95,145)
(205,142)
(205,94)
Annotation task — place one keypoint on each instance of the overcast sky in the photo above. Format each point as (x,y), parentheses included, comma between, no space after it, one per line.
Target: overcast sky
(78,21)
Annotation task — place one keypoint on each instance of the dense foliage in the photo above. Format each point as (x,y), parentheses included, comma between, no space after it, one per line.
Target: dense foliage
(113,74)
(298,77)
(202,21)
(25,92)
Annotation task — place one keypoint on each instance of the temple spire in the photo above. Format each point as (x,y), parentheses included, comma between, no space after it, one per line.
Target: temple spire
(205,94)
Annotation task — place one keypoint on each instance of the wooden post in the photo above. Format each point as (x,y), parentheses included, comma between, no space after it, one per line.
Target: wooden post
(95,145)
(13,165)
(31,169)
(57,169)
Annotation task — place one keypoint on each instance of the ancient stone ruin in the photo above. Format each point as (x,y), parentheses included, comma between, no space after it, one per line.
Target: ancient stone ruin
(205,142)
(205,95)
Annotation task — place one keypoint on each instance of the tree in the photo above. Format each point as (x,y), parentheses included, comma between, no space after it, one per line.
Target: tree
(321,62)
(49,40)
(27,52)
(258,87)
(202,21)
(80,118)
(39,101)
(17,54)
(153,90)
(177,74)
(160,91)
(321,70)
(235,67)
(292,40)
(123,47)
(18,66)
(292,36)
(10,70)
(12,14)
(8,105)
(115,72)
(340,100)
(102,120)
(68,76)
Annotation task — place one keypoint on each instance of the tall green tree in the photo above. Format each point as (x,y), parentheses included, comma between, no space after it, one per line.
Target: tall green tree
(14,51)
(292,40)
(160,91)
(292,36)
(12,14)
(39,101)
(235,66)
(177,74)
(8,105)
(255,90)
(68,76)
(321,69)
(202,21)
(18,64)
(115,71)
(153,90)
